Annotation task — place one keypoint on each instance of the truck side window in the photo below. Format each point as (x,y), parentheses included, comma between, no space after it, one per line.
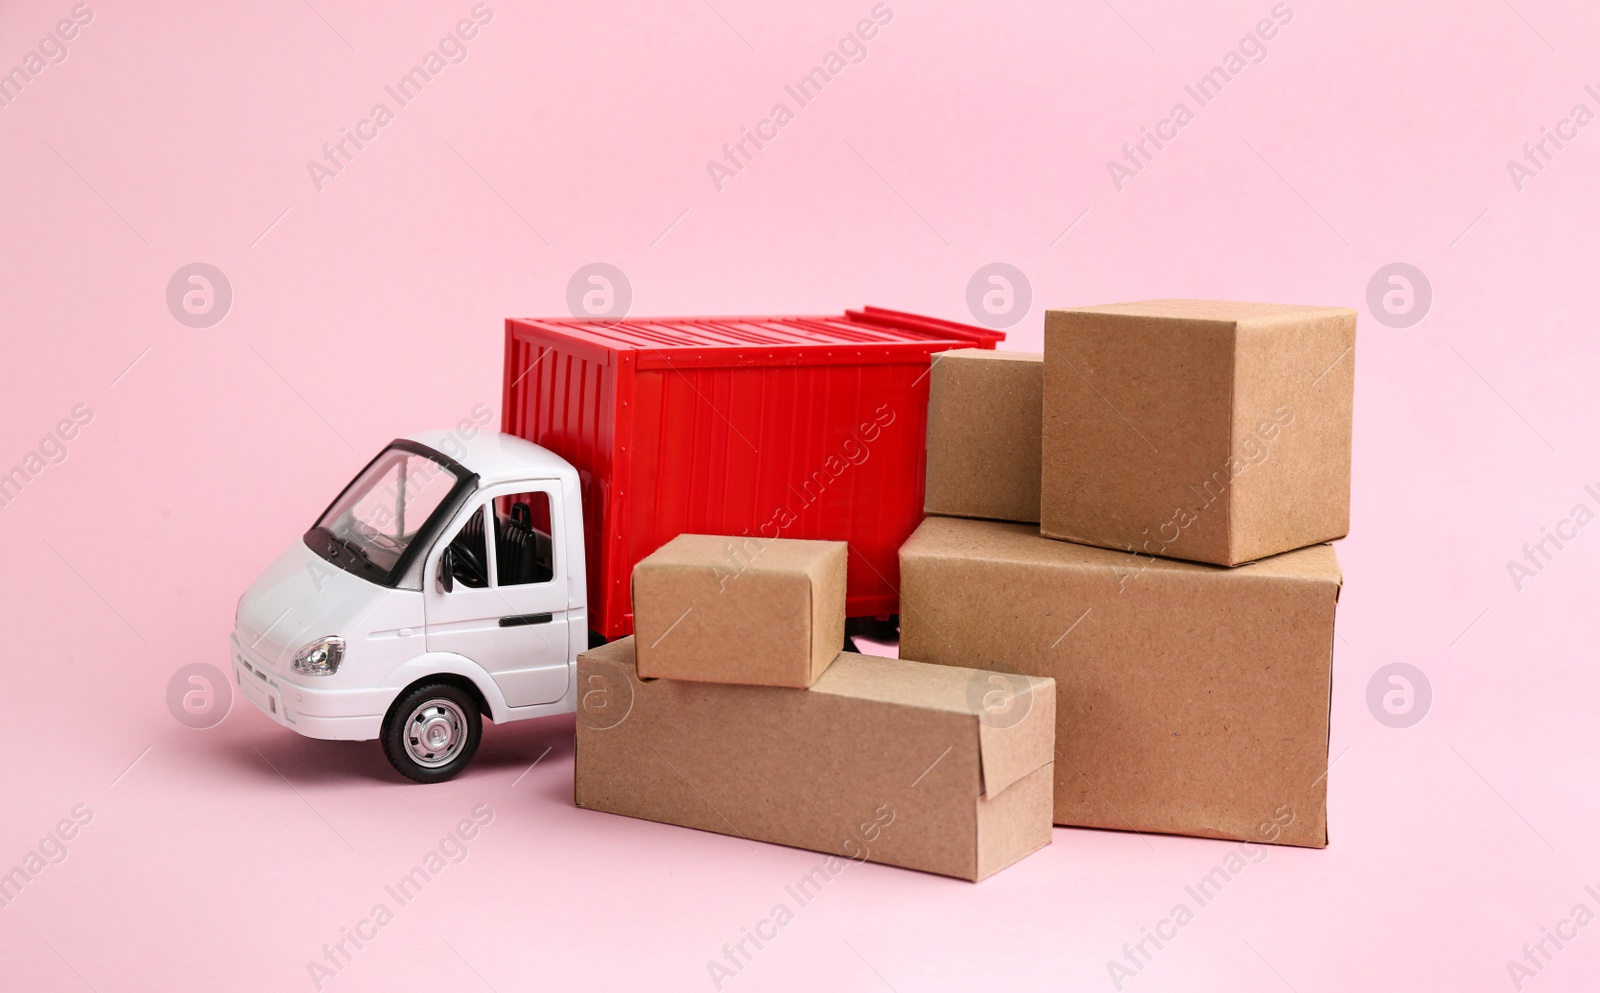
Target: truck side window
(468,554)
(522,543)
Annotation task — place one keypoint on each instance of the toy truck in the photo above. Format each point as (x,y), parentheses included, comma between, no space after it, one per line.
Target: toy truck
(461,572)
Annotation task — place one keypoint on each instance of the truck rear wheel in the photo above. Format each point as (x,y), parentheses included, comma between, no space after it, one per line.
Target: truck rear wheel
(432,732)
(883,629)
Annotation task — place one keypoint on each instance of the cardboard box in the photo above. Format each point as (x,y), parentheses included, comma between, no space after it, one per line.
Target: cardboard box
(1191,699)
(985,410)
(759,611)
(936,768)
(1215,432)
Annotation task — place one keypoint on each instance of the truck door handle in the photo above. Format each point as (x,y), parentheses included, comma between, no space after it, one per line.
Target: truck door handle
(517,620)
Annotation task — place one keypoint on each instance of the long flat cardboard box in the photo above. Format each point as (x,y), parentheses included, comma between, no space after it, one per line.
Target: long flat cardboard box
(1191,699)
(1196,429)
(985,409)
(942,769)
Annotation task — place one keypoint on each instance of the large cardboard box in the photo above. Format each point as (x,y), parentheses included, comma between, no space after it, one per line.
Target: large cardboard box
(759,611)
(942,769)
(985,410)
(1191,699)
(1194,429)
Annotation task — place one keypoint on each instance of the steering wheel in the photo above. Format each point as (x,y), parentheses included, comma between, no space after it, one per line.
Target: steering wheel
(468,563)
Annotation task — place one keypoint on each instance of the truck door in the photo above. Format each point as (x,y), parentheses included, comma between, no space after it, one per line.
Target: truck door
(506,608)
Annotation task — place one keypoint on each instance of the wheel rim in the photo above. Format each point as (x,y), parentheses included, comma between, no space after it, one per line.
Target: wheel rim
(435,733)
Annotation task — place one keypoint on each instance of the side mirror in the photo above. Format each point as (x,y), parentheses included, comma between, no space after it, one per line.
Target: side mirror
(447,569)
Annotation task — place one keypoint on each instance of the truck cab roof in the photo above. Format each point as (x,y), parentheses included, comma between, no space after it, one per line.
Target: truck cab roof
(496,457)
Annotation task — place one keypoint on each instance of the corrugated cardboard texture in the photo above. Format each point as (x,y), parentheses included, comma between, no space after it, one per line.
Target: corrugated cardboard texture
(1202,430)
(757,611)
(1192,699)
(897,744)
(985,410)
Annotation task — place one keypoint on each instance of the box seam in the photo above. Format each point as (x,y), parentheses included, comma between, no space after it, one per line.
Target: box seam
(1233,418)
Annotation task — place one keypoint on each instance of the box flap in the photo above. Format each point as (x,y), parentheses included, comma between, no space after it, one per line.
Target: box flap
(1015,715)
(1017,733)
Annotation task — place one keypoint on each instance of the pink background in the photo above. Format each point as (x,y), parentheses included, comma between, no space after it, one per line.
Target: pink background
(225,859)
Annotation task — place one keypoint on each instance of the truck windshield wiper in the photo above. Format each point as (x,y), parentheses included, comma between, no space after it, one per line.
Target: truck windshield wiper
(357,550)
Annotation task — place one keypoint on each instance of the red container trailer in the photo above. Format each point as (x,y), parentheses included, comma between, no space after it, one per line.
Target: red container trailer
(792,427)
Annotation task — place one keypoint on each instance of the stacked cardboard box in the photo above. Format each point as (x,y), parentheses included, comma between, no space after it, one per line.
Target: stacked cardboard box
(732,710)
(1193,695)
(985,410)
(726,610)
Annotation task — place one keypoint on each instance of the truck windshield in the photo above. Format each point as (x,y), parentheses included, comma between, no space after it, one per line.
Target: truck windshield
(373,528)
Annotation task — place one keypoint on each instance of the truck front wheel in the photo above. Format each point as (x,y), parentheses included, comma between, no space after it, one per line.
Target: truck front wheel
(432,732)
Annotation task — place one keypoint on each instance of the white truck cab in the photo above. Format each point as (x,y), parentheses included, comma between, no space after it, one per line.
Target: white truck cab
(435,590)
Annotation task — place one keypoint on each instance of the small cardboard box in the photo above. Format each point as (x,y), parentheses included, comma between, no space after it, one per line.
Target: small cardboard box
(759,611)
(1193,429)
(985,409)
(936,768)
(1192,699)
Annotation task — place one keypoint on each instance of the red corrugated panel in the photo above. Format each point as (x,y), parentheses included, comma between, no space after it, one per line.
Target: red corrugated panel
(794,427)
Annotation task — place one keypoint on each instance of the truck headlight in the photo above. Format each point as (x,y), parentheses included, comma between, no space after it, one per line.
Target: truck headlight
(321,657)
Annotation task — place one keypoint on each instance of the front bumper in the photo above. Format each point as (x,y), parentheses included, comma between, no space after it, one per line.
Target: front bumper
(337,715)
